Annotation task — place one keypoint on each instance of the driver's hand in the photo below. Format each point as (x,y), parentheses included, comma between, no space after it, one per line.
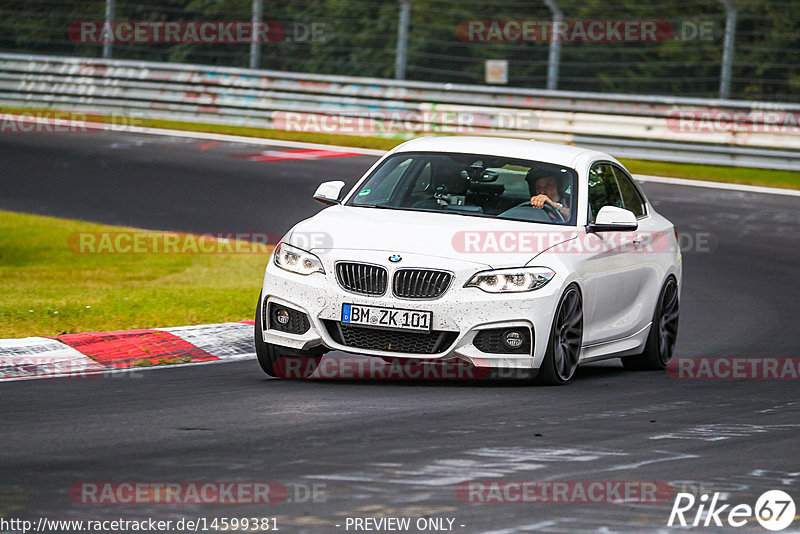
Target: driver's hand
(539,200)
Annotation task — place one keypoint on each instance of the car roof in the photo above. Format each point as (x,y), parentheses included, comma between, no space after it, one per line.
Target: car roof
(555,153)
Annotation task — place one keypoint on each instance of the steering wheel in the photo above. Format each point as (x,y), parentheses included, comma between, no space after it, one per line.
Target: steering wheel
(548,209)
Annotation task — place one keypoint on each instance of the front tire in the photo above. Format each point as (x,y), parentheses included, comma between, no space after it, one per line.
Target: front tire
(566,338)
(281,362)
(663,332)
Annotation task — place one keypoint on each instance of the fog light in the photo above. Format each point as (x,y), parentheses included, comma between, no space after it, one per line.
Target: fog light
(282,316)
(512,339)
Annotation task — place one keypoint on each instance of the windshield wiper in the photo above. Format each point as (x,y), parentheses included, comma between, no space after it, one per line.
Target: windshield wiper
(379,206)
(428,210)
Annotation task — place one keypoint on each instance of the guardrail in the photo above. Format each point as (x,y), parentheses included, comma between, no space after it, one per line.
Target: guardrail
(753,134)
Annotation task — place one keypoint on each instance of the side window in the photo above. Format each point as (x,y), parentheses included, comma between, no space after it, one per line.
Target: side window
(630,195)
(603,189)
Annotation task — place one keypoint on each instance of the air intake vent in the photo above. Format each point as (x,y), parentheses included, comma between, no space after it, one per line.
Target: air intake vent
(420,283)
(362,278)
(358,337)
(287,320)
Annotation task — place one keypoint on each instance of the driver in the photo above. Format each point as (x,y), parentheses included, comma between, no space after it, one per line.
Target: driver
(546,188)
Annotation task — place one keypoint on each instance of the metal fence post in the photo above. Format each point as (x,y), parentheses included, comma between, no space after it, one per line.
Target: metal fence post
(108,44)
(554,57)
(402,41)
(255,45)
(727,49)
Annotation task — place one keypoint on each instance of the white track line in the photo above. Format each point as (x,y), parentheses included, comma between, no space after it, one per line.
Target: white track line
(227,138)
(718,185)
(370,152)
(129,372)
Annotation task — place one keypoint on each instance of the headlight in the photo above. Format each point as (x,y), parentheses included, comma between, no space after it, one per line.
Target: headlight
(296,260)
(514,280)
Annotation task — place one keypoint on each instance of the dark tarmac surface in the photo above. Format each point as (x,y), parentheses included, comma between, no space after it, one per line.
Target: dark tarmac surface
(397,448)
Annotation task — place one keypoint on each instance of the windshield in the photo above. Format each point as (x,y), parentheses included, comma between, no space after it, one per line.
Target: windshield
(473,185)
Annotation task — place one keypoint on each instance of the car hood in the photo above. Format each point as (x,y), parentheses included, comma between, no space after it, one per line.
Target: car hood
(493,242)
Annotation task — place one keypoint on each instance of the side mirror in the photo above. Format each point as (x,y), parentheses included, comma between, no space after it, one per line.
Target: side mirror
(328,192)
(613,219)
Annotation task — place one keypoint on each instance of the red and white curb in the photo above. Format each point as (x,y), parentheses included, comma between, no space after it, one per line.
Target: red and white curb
(93,353)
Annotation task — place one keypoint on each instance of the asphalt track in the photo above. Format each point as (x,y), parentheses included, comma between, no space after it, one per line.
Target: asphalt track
(399,448)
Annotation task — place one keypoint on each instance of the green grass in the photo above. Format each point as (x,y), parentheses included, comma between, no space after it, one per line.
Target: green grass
(355,141)
(163,361)
(716,173)
(47,288)
(713,173)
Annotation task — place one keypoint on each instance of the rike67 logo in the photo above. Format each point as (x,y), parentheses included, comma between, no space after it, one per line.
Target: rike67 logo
(774,510)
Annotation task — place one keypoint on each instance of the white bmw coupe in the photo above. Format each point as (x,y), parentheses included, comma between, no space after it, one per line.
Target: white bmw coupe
(505,254)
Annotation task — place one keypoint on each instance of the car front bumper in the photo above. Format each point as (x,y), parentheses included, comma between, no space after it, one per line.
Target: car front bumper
(464,311)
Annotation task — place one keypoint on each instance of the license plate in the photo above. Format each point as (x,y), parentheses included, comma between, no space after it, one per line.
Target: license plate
(380,317)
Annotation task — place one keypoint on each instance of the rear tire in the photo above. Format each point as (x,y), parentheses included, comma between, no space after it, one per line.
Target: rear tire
(566,338)
(663,332)
(282,362)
